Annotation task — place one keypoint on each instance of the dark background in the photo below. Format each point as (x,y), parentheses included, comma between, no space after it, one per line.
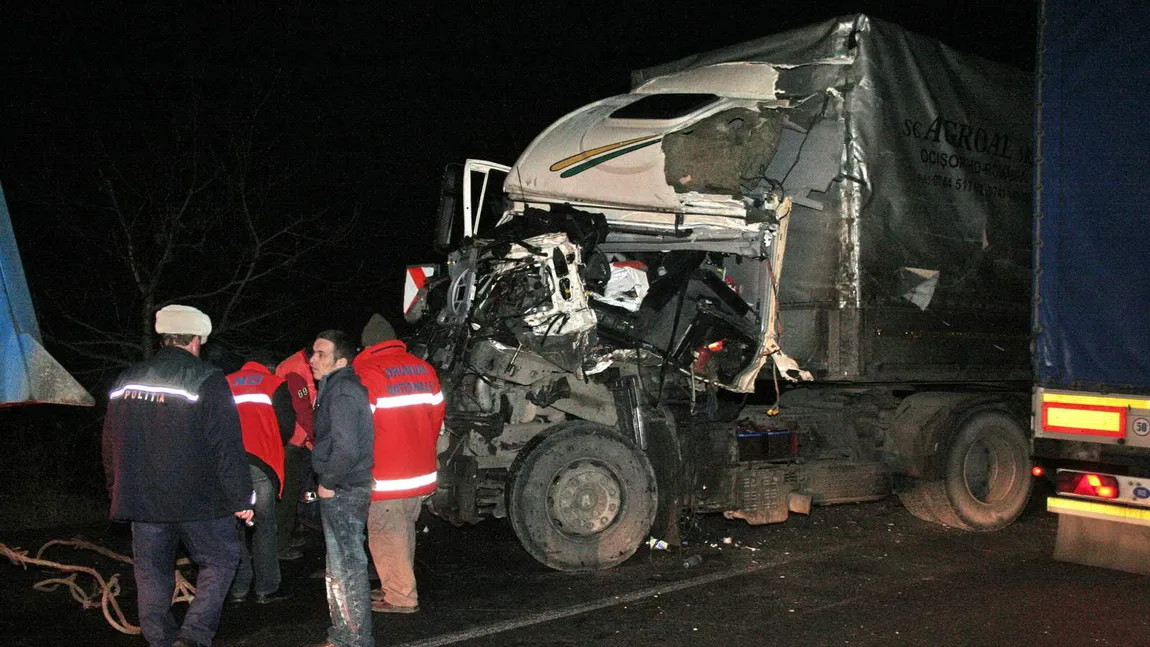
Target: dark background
(364,102)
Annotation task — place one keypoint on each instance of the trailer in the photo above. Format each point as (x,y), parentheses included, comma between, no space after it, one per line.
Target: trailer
(789,273)
(29,374)
(1091,399)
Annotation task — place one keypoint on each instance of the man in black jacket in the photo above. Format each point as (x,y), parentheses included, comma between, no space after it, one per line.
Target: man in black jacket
(175,467)
(342,459)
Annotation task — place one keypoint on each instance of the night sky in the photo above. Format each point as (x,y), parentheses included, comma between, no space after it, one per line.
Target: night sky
(364,103)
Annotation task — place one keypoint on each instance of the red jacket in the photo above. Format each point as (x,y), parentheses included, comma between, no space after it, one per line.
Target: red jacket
(408,410)
(301,384)
(253,388)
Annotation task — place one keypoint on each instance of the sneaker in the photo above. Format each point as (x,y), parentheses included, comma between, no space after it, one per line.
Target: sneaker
(278,595)
(380,606)
(236,598)
(288,554)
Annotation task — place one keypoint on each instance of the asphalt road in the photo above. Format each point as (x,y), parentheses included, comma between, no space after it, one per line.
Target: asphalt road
(868,574)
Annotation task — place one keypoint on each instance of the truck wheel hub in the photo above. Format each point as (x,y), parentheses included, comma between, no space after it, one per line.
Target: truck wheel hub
(584,498)
(988,471)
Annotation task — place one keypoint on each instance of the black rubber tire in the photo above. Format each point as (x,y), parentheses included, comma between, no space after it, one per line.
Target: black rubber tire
(583,498)
(986,482)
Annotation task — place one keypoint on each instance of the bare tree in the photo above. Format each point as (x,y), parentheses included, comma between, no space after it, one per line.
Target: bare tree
(208,221)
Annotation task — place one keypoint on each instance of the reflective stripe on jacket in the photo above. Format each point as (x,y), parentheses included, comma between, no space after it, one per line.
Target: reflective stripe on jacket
(172,444)
(253,388)
(407,413)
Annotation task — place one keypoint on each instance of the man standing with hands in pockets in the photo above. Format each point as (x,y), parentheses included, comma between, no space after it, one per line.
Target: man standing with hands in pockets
(342,459)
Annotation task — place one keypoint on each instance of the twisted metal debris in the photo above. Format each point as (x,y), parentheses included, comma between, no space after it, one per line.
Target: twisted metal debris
(105,592)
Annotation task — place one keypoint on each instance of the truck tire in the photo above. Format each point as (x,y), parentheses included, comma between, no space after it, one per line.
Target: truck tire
(986,479)
(583,498)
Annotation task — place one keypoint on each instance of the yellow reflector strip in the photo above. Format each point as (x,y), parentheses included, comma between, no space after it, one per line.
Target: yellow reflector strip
(1106,511)
(1084,419)
(1096,400)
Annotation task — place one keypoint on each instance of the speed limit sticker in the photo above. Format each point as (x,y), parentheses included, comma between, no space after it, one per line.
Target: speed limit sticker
(1141,426)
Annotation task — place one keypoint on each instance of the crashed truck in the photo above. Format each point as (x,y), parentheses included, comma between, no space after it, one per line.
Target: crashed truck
(789,273)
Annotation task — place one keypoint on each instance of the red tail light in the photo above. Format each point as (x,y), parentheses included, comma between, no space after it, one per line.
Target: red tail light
(1038,471)
(1102,486)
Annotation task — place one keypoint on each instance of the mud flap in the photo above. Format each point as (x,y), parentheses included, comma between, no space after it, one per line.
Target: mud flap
(1103,543)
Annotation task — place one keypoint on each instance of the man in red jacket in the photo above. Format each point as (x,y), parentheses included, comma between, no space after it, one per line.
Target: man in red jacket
(407,415)
(266,420)
(301,386)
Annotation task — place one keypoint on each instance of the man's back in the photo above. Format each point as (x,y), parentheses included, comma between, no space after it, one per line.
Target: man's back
(408,412)
(172,444)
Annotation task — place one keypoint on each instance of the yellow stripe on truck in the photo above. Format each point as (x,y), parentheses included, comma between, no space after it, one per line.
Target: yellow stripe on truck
(1096,510)
(1096,400)
(1084,419)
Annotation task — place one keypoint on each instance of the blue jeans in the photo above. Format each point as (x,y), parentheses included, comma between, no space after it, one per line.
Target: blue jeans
(262,553)
(344,519)
(213,546)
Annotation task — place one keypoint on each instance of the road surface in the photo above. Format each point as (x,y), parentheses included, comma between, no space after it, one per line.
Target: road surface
(867,574)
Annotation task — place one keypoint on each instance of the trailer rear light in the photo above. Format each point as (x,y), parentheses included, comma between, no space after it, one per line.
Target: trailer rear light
(1038,471)
(1102,486)
(717,346)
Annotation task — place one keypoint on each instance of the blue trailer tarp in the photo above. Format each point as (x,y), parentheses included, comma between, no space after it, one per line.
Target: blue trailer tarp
(28,374)
(1092,197)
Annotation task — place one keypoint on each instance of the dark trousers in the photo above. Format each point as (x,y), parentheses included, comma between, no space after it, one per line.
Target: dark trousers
(307,514)
(213,546)
(285,510)
(258,544)
(344,519)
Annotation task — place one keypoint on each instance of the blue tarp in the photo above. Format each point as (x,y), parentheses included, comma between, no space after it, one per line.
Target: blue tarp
(1092,206)
(27,372)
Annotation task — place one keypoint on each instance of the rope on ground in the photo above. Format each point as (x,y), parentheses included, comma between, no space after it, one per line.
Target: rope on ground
(105,592)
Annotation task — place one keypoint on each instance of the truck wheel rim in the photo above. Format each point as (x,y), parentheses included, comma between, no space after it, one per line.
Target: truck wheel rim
(989,470)
(584,498)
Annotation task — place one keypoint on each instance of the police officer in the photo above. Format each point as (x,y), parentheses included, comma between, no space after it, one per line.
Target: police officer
(176,469)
